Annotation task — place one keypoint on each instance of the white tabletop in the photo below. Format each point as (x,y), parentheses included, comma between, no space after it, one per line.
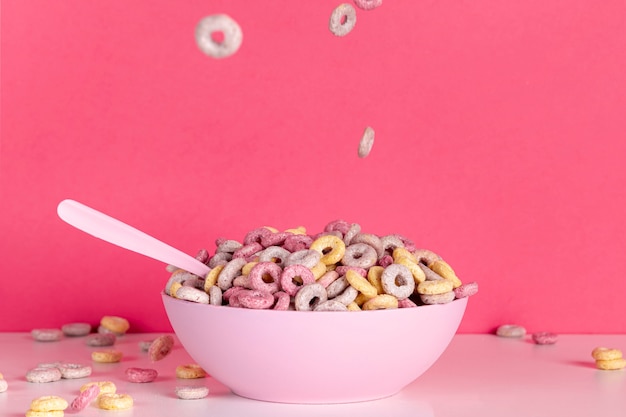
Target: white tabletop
(478,375)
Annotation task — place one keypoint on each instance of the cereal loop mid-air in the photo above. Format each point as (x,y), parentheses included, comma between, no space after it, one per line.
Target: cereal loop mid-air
(342,20)
(211,28)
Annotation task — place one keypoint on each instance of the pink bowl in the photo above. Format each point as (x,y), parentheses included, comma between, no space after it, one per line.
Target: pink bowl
(314,357)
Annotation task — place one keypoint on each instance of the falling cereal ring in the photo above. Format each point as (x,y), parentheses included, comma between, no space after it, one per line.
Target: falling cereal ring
(218,23)
(342,20)
(366,143)
(368,4)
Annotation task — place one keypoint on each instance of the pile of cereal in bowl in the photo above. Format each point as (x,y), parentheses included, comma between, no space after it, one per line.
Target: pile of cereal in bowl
(339,269)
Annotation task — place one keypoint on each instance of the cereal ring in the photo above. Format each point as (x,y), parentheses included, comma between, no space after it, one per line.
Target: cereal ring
(406,303)
(215,296)
(385,261)
(101,339)
(611,364)
(266,277)
(510,330)
(242,281)
(115,401)
(211,278)
(309,296)
(391,242)
(337,287)
(347,296)
(328,278)
(230,271)
(416,271)
(368,4)
(228,246)
(342,20)
(191,392)
(220,258)
(47,335)
(256,235)
(342,269)
(359,255)
(398,281)
(606,354)
(209,26)
(440,267)
(353,306)
(354,230)
(426,256)
(331,247)
(43,375)
(281,300)
(173,288)
(402,252)
(230,293)
(443,298)
(192,294)
(366,142)
(300,230)
(274,239)
(330,305)
(306,257)
(466,290)
(52,413)
(435,287)
(295,243)
(275,254)
(104,387)
(374,276)
(361,284)
(118,325)
(190,371)
(545,338)
(247,251)
(85,397)
(161,347)
(202,255)
(76,329)
(74,370)
(371,240)
(141,375)
(3,385)
(255,299)
(106,356)
(381,302)
(319,270)
(48,403)
(339,225)
(293,277)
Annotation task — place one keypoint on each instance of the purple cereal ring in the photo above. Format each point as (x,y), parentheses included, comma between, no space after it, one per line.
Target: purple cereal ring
(444,298)
(397,280)
(466,290)
(275,254)
(328,278)
(425,256)
(406,303)
(390,242)
(265,277)
(368,4)
(385,261)
(330,305)
(281,300)
(248,250)
(293,277)
(231,270)
(220,258)
(76,329)
(337,287)
(354,230)
(306,257)
(309,296)
(274,239)
(342,269)
(360,255)
(141,375)
(101,339)
(85,397)
(203,256)
(372,240)
(255,299)
(256,235)
(545,338)
(295,243)
(341,226)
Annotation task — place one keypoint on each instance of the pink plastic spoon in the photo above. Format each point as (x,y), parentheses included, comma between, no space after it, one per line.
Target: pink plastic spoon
(118,233)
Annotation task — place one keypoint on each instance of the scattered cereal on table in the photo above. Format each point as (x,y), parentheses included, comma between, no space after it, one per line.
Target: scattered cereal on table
(190,371)
(47,335)
(115,401)
(141,375)
(76,329)
(106,356)
(545,338)
(191,392)
(161,347)
(511,330)
(114,324)
(608,359)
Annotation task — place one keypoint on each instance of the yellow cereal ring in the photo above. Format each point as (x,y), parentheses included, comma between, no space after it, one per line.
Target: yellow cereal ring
(435,287)
(400,252)
(115,401)
(115,324)
(106,387)
(190,371)
(271,229)
(211,277)
(442,268)
(174,287)
(416,271)
(300,230)
(48,403)
(106,356)
(1,376)
(361,284)
(51,413)
(606,354)
(319,270)
(247,267)
(331,247)
(353,306)
(611,364)
(374,275)
(361,299)
(380,302)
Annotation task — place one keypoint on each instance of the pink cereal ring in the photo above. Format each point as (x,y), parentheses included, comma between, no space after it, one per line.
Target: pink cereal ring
(255,299)
(309,296)
(385,261)
(342,269)
(160,347)
(256,236)
(406,303)
(328,278)
(368,4)
(85,397)
(141,375)
(545,338)
(295,243)
(466,290)
(248,250)
(274,239)
(293,277)
(282,300)
(338,225)
(265,277)
(231,292)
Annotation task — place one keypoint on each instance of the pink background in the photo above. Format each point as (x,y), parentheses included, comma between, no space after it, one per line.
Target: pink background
(499,144)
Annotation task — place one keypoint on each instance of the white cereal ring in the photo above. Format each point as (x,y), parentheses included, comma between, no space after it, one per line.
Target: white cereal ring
(191,392)
(342,20)
(209,27)
(309,296)
(398,281)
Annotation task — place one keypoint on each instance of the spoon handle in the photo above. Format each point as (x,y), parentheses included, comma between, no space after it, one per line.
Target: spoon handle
(121,234)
